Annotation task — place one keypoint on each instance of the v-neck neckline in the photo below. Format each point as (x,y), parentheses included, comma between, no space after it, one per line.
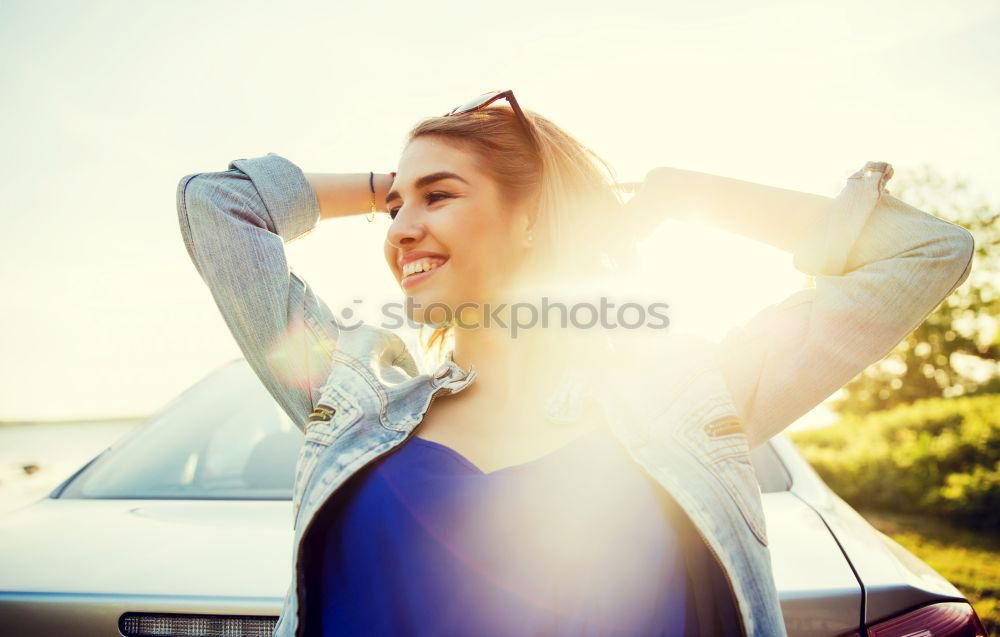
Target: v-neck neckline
(593,431)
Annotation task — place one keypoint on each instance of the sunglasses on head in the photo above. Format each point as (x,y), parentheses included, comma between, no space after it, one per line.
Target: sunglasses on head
(486,99)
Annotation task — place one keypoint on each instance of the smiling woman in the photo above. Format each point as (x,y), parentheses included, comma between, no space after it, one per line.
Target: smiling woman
(509,219)
(586,484)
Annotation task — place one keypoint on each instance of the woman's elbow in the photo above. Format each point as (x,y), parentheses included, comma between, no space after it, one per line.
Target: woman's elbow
(962,248)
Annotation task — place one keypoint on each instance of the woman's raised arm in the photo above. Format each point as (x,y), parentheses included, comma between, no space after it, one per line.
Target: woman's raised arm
(881,266)
(342,194)
(234,224)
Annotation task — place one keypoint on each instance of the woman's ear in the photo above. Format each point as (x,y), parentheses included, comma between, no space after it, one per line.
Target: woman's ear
(522,225)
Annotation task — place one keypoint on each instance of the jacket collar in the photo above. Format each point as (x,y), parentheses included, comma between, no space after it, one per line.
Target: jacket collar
(377,361)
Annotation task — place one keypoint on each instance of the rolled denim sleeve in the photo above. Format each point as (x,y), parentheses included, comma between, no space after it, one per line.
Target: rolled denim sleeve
(234,224)
(881,267)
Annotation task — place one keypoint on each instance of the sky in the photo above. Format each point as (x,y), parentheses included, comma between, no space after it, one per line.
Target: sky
(108,104)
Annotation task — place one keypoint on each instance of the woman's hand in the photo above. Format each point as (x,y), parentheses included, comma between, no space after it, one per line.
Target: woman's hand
(657,197)
(628,186)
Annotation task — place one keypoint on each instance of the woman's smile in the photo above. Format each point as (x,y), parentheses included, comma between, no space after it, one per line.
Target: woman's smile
(419,270)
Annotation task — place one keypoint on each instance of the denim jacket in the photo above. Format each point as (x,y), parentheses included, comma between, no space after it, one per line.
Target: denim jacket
(688,410)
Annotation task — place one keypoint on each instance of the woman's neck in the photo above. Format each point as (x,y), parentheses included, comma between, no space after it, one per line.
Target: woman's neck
(519,360)
(512,369)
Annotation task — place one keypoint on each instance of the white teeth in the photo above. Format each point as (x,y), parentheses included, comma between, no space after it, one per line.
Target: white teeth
(421,265)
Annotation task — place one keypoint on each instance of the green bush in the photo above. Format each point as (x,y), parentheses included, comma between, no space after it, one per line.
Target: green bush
(936,456)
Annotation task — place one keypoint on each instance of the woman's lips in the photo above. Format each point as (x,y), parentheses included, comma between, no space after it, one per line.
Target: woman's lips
(420,277)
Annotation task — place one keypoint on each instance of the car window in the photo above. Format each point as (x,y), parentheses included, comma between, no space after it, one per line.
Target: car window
(223,438)
(771,472)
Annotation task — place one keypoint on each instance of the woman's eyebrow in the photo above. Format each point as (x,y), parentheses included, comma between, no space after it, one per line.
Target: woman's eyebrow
(425,180)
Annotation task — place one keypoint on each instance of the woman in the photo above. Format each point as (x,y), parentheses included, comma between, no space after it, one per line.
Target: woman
(592,482)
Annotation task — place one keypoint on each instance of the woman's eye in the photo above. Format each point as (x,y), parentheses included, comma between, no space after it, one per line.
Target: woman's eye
(431,197)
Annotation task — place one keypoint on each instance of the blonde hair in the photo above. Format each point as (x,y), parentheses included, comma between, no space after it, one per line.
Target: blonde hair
(571,189)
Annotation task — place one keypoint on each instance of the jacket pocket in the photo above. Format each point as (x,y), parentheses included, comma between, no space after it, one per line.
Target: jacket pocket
(722,446)
(335,411)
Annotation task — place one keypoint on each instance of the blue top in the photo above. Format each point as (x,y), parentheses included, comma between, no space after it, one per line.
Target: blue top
(577,542)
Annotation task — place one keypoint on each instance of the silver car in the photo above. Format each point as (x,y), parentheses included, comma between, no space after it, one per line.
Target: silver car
(184,527)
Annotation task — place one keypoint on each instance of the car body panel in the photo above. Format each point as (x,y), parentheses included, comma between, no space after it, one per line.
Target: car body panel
(97,614)
(894,579)
(818,590)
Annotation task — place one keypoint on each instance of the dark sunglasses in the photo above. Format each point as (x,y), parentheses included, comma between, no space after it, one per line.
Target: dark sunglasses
(486,99)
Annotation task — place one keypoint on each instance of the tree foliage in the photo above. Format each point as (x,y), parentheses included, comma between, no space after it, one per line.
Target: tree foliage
(938,456)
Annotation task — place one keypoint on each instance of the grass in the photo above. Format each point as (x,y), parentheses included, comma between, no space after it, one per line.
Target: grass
(970,560)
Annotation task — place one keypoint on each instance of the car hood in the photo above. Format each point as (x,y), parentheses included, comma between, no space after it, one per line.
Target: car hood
(161,547)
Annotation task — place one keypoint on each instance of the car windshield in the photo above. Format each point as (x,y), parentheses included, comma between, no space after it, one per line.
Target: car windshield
(224,438)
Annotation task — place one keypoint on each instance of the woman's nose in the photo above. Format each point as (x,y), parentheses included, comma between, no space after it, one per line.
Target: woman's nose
(405,230)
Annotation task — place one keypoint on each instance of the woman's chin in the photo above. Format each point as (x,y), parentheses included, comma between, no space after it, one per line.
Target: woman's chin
(426,307)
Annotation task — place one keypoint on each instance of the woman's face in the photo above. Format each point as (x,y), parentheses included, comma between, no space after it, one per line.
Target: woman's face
(454,228)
